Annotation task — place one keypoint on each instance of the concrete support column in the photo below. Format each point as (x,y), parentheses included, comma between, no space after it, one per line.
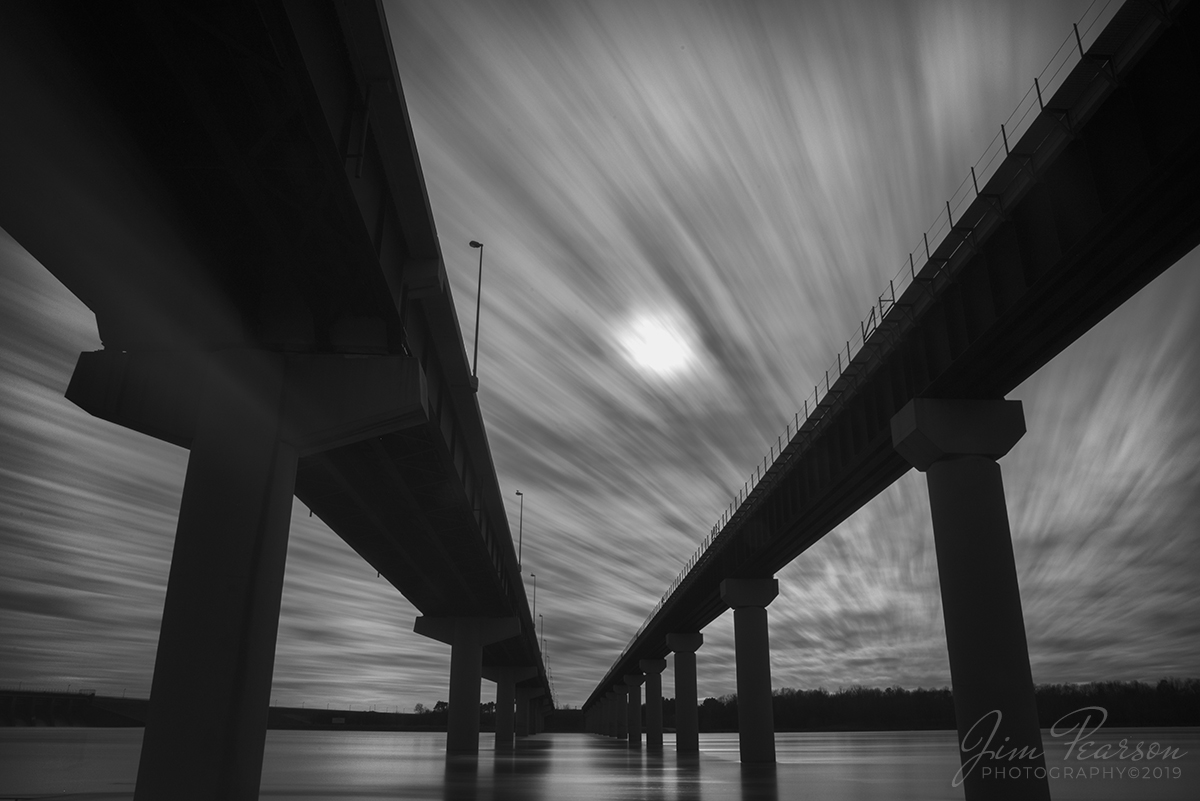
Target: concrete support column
(610,713)
(653,669)
(525,696)
(466,636)
(247,416)
(621,713)
(216,649)
(506,678)
(752,652)
(687,713)
(956,443)
(506,704)
(633,723)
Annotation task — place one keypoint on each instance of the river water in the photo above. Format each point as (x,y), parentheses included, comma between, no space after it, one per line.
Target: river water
(84,764)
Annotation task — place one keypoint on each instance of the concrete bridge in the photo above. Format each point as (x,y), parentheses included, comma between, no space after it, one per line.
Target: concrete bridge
(1094,200)
(234,190)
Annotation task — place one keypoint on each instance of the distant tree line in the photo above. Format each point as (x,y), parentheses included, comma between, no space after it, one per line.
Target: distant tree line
(1171,702)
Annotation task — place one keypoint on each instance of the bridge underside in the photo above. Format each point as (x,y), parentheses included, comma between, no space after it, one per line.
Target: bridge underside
(393,500)
(228,176)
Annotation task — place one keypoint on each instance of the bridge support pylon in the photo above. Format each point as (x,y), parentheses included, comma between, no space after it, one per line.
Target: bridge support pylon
(633,710)
(525,699)
(211,689)
(611,707)
(466,637)
(622,711)
(752,653)
(956,444)
(687,713)
(506,678)
(247,415)
(653,669)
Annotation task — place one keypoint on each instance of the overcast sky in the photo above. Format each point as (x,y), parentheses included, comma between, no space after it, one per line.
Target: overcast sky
(686,210)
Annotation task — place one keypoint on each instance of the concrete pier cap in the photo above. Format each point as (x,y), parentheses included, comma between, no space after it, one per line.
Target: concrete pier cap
(742,593)
(652,666)
(928,430)
(685,642)
(487,629)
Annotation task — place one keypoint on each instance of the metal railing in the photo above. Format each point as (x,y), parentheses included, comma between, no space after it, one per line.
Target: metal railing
(807,420)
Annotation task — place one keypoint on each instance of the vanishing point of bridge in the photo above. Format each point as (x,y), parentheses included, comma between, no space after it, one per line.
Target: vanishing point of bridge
(234,190)
(1094,200)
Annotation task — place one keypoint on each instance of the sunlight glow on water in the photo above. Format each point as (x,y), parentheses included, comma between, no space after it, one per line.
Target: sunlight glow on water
(85,764)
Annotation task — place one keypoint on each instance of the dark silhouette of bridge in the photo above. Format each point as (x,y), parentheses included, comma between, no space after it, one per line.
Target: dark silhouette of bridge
(1095,199)
(233,189)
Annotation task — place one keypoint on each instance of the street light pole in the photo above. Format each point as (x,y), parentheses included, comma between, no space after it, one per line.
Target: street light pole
(478,299)
(542,623)
(520,528)
(534,592)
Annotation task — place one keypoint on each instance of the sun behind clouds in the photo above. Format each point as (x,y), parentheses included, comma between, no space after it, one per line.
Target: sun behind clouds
(659,345)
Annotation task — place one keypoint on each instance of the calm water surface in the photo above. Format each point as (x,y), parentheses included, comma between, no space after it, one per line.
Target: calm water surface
(84,764)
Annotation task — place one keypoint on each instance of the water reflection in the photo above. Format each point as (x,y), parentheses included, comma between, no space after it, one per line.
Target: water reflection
(687,777)
(760,783)
(849,766)
(461,779)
